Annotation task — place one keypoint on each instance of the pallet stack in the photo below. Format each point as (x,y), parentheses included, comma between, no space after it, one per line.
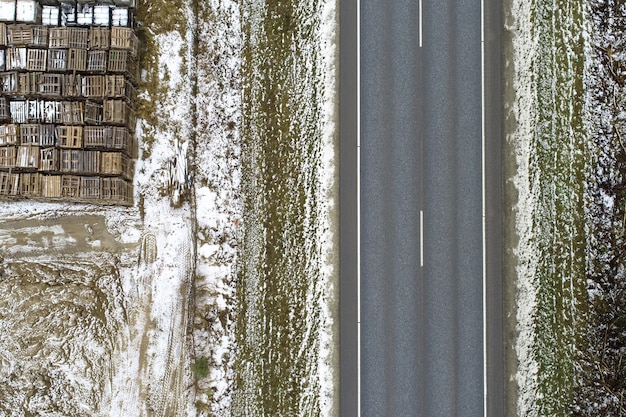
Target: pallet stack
(68,74)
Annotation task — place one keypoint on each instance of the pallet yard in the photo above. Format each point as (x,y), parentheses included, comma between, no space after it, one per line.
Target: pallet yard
(68,76)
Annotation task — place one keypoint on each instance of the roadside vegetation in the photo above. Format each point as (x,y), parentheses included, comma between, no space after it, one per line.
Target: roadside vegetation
(601,388)
(281,282)
(571,260)
(559,159)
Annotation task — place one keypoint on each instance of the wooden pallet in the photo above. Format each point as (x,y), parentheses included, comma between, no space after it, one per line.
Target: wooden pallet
(69,136)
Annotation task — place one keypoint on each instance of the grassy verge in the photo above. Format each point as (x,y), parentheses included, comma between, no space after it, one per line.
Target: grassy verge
(279,311)
(559,166)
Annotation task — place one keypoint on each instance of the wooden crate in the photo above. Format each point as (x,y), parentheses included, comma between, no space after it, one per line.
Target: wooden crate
(70,186)
(68,14)
(47,135)
(71,161)
(117,86)
(28,83)
(116,190)
(93,86)
(9,183)
(113,163)
(122,139)
(28,157)
(116,163)
(69,136)
(78,38)
(73,85)
(50,186)
(77,60)
(51,85)
(122,62)
(93,113)
(124,38)
(97,61)
(49,160)
(90,162)
(57,60)
(29,184)
(118,112)
(108,137)
(36,111)
(90,187)
(8,82)
(99,38)
(19,111)
(125,3)
(51,112)
(9,134)
(59,38)
(72,113)
(30,134)
(36,59)
(19,35)
(129,171)
(39,35)
(95,136)
(8,155)
(16,59)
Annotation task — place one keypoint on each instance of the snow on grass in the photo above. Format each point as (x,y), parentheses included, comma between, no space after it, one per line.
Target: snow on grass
(217,177)
(328,213)
(519,23)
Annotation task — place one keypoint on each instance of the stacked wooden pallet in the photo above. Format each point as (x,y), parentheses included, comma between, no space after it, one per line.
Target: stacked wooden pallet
(68,74)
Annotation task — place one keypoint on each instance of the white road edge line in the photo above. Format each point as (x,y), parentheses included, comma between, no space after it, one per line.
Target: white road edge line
(484,225)
(421,237)
(420,21)
(358,200)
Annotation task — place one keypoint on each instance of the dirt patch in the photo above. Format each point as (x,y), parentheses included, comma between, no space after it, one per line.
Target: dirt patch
(60,322)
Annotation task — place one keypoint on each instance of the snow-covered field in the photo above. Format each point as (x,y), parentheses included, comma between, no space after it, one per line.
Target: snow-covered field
(134,311)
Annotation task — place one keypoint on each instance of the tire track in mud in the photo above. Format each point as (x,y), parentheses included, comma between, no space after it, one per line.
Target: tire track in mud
(163,339)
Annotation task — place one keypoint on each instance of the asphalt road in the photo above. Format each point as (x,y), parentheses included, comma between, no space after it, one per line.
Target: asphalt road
(425,332)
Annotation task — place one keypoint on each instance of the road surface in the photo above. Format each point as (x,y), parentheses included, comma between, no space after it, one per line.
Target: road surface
(430,252)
